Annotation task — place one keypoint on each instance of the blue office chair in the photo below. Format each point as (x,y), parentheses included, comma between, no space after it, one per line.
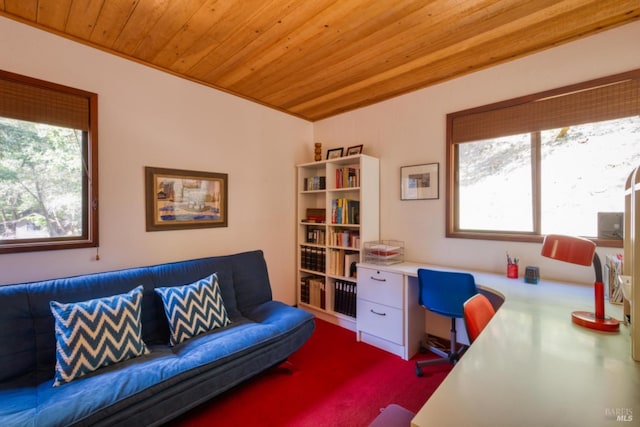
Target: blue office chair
(444,293)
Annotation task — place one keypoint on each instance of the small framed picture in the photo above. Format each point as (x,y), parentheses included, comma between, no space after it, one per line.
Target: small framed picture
(419,182)
(356,149)
(334,153)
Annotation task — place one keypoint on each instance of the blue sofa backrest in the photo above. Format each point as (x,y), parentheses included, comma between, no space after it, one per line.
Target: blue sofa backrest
(27,326)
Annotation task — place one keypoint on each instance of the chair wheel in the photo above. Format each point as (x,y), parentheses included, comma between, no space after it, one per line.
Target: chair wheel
(418,371)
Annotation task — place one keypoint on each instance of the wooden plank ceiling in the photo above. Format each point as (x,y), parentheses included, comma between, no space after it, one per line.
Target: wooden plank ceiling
(318,58)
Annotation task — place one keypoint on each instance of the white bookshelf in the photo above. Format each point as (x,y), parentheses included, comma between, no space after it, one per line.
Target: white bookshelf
(322,248)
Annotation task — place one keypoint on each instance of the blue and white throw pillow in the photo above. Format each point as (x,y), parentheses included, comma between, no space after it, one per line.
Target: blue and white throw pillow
(193,309)
(96,333)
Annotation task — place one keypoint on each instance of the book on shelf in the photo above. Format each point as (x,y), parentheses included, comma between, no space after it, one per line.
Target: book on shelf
(312,258)
(315,235)
(334,257)
(312,291)
(304,290)
(347,177)
(613,269)
(342,263)
(317,293)
(344,238)
(344,300)
(345,211)
(316,215)
(314,183)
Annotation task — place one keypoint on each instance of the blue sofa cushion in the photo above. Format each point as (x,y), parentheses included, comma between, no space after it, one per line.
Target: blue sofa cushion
(250,280)
(96,333)
(193,309)
(17,335)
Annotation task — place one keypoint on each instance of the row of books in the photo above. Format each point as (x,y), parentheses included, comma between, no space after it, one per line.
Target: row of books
(312,291)
(345,211)
(345,238)
(315,235)
(343,263)
(344,298)
(613,268)
(314,183)
(312,258)
(347,177)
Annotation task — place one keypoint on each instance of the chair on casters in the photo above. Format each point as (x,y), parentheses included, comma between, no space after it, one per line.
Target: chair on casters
(444,293)
(477,313)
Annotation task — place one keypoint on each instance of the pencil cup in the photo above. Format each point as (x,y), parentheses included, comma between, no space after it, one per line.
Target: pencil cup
(512,271)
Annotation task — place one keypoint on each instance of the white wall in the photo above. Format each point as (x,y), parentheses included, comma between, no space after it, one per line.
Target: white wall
(150,118)
(410,130)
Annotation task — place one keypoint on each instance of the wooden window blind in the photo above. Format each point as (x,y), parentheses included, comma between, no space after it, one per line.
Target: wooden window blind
(27,99)
(32,100)
(603,99)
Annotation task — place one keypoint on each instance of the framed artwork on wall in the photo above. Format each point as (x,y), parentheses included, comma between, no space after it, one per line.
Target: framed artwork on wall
(419,182)
(181,199)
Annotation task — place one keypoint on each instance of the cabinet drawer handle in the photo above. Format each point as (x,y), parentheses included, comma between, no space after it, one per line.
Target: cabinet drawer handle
(378,280)
(379,314)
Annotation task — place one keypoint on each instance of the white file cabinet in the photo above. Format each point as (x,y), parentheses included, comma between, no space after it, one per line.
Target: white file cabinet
(388,314)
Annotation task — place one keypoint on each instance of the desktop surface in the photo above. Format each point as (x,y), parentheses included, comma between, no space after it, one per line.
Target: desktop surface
(533,366)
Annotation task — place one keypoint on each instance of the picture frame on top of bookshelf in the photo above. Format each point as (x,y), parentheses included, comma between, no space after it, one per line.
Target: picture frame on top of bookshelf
(337,210)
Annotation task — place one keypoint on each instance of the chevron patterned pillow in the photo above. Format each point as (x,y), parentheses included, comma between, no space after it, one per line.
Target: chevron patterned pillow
(193,309)
(96,333)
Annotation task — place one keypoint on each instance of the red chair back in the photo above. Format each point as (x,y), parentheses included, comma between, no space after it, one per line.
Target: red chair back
(478,311)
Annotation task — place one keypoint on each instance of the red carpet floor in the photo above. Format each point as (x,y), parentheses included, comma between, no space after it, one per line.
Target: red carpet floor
(336,381)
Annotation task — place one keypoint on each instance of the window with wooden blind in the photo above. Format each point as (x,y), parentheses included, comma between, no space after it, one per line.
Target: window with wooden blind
(544,163)
(48,165)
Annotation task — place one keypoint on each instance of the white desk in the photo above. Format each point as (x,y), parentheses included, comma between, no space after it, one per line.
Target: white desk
(533,366)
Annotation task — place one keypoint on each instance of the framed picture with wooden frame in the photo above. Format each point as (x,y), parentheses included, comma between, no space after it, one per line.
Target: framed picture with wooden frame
(355,149)
(419,182)
(334,153)
(182,199)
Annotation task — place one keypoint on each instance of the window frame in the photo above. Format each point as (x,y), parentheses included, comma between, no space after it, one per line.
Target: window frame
(90,211)
(452,195)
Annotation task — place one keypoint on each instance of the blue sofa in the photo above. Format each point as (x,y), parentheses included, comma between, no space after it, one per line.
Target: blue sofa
(154,388)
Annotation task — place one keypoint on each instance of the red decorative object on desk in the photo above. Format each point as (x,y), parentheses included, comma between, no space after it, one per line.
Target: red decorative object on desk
(576,250)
